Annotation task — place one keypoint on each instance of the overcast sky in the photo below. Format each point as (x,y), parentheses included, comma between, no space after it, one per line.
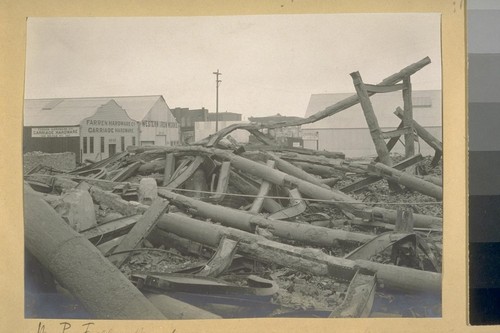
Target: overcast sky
(270,64)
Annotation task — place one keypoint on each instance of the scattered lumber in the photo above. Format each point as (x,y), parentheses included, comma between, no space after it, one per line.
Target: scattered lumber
(221,229)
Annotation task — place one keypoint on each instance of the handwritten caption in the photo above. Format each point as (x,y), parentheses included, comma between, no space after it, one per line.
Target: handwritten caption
(89,327)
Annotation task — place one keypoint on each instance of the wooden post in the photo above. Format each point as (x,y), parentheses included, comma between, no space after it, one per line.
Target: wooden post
(408,118)
(79,267)
(371,119)
(404,222)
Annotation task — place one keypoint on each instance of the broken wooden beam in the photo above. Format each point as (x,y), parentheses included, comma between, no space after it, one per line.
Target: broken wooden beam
(424,134)
(333,196)
(353,100)
(238,219)
(356,186)
(309,260)
(408,180)
(373,126)
(293,170)
(140,231)
(79,267)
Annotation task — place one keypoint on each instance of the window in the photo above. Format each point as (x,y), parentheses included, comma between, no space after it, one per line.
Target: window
(123,143)
(102,144)
(91,144)
(85,145)
(133,141)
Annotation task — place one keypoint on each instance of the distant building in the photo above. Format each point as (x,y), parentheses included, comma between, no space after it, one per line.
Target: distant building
(290,136)
(97,127)
(348,132)
(187,118)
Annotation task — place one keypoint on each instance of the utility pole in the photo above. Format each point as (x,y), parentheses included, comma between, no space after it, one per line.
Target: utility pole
(217,83)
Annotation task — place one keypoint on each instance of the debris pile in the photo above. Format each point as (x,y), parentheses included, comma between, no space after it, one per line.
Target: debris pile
(224,230)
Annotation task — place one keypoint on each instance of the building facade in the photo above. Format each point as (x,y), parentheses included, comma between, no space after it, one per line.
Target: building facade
(96,128)
(107,132)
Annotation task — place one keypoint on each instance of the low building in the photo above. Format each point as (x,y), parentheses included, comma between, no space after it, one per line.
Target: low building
(96,128)
(187,118)
(347,131)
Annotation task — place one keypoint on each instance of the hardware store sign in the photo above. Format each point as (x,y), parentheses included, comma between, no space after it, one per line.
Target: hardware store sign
(54,132)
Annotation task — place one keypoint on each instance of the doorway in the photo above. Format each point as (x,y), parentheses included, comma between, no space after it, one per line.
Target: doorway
(112,149)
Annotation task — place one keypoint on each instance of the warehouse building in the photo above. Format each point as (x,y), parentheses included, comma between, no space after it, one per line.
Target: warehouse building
(348,132)
(96,128)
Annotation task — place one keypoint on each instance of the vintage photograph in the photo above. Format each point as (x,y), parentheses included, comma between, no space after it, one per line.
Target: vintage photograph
(244,166)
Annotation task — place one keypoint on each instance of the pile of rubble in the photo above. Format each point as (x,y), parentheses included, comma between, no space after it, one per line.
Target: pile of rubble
(224,230)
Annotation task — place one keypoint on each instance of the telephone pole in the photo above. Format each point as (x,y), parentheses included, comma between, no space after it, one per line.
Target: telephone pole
(217,83)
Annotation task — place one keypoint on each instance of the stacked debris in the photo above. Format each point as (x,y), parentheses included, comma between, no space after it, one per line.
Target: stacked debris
(224,230)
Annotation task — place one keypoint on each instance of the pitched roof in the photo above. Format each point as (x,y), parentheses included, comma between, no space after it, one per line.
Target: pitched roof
(426,110)
(70,111)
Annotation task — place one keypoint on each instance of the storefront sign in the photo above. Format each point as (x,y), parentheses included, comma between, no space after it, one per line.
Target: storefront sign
(156,123)
(110,126)
(54,132)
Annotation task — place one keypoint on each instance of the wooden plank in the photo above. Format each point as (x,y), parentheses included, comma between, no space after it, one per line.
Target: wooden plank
(222,182)
(107,231)
(140,231)
(169,168)
(186,174)
(126,172)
